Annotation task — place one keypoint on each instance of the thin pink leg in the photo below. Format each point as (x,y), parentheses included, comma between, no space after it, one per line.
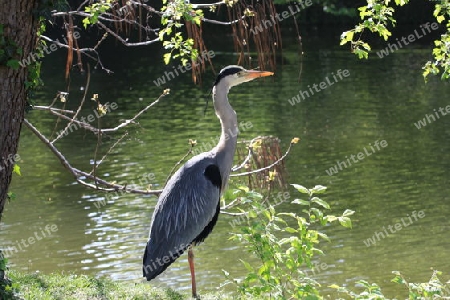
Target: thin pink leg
(191,266)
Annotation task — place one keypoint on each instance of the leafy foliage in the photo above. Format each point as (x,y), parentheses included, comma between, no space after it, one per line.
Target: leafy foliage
(377,16)
(433,289)
(7,288)
(174,12)
(441,52)
(9,51)
(285,244)
(95,10)
(34,80)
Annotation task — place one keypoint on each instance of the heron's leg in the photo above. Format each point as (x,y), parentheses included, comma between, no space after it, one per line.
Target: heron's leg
(191,266)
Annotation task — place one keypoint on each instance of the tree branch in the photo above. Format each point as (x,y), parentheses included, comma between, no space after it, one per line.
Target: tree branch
(85,51)
(267,167)
(108,186)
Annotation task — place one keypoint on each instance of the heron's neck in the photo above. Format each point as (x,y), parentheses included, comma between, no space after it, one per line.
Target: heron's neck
(228,138)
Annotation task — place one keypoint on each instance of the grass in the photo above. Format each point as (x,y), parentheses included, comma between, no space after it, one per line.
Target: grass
(60,286)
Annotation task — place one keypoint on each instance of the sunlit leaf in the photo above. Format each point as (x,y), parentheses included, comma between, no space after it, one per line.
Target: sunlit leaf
(345,221)
(247,265)
(290,230)
(348,212)
(320,202)
(300,201)
(300,188)
(16,169)
(334,286)
(331,218)
(318,189)
(167,57)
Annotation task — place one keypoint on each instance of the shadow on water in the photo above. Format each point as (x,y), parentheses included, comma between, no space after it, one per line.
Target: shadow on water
(380,100)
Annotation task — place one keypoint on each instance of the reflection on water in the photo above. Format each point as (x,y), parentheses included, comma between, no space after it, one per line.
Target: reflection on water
(380,100)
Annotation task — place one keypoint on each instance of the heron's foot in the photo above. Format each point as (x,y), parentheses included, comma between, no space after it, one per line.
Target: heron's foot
(195,296)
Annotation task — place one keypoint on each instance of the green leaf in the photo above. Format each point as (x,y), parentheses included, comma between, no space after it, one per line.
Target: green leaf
(317,212)
(290,230)
(345,221)
(398,279)
(318,189)
(440,19)
(324,236)
(361,53)
(16,169)
(247,265)
(167,57)
(244,188)
(300,188)
(347,36)
(334,286)
(320,202)
(331,218)
(11,196)
(13,63)
(293,215)
(86,22)
(348,212)
(301,202)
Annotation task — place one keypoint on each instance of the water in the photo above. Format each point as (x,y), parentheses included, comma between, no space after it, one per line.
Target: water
(380,100)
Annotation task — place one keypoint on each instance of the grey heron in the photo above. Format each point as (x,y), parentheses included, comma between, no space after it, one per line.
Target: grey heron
(189,205)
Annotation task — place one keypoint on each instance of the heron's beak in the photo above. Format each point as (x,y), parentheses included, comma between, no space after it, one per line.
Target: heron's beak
(252,74)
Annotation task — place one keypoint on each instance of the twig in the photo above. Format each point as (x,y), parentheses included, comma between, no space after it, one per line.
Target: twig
(80,123)
(267,167)
(109,150)
(178,163)
(82,50)
(127,122)
(99,140)
(41,107)
(206,5)
(63,132)
(124,41)
(222,23)
(249,155)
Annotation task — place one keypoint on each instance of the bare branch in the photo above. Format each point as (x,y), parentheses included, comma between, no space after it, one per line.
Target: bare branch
(249,156)
(85,51)
(108,186)
(109,151)
(127,122)
(64,131)
(124,41)
(221,22)
(79,123)
(267,167)
(41,107)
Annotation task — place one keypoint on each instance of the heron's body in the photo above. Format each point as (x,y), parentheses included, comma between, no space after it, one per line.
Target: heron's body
(174,226)
(189,205)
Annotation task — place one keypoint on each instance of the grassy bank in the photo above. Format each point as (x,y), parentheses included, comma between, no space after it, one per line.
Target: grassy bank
(82,287)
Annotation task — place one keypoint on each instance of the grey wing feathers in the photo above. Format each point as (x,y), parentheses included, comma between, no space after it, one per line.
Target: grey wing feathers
(185,208)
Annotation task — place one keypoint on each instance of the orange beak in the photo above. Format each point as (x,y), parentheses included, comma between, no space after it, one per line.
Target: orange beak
(256,74)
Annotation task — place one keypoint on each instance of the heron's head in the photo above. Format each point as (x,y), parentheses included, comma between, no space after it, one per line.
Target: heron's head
(235,75)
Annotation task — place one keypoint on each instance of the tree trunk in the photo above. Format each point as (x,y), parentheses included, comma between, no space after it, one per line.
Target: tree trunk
(20,25)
